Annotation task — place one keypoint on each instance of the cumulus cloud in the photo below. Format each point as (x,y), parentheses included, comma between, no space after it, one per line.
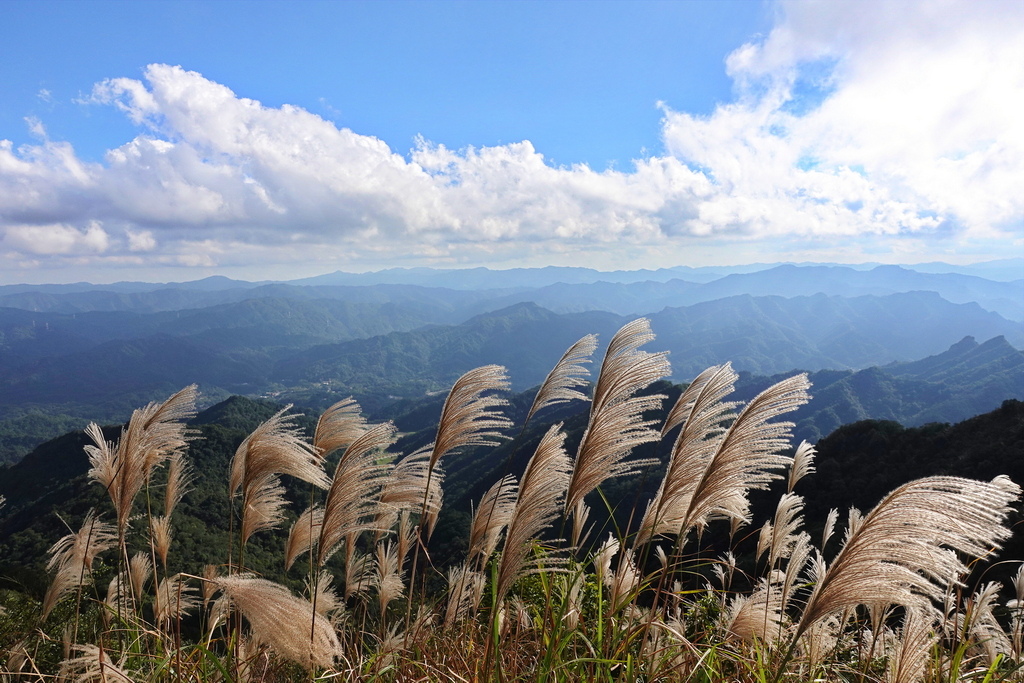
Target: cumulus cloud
(850,122)
(45,240)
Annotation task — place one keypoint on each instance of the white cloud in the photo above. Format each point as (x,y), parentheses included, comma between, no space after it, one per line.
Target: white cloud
(47,240)
(852,121)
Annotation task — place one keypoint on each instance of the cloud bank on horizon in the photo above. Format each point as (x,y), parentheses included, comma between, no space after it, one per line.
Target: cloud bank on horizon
(858,131)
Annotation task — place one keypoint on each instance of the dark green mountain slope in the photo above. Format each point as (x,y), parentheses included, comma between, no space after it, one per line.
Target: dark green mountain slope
(967,379)
(49,488)
(525,338)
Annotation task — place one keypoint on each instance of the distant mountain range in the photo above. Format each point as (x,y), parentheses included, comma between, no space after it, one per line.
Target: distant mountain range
(463,293)
(72,353)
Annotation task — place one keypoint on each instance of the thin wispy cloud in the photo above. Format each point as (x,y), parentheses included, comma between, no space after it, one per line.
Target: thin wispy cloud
(855,128)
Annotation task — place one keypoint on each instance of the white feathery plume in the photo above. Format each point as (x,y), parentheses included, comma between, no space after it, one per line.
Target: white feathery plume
(390,585)
(465,590)
(174,598)
(616,424)
(93,664)
(908,659)
(469,416)
(756,617)
(360,572)
(153,434)
(303,535)
(179,476)
(778,536)
(560,384)
(702,411)
(282,620)
(275,447)
(748,456)
(830,527)
(161,535)
(338,426)
(72,557)
(803,464)
(490,518)
(541,491)
(904,548)
(140,570)
(982,626)
(355,489)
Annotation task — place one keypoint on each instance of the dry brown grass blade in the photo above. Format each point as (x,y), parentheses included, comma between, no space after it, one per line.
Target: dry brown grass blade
(282,620)
(540,496)
(901,549)
(469,416)
(560,384)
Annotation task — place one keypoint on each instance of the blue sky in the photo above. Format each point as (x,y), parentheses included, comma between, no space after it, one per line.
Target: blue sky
(174,140)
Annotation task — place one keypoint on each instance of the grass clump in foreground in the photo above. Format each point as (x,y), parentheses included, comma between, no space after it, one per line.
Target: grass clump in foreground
(536,598)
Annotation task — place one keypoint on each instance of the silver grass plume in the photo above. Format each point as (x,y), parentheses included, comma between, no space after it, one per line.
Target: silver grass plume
(490,517)
(174,598)
(908,660)
(803,464)
(208,585)
(1016,607)
(982,626)
(616,424)
(303,534)
(748,456)
(560,384)
(469,416)
(701,410)
(179,476)
(282,620)
(153,434)
(830,527)
(359,574)
(161,534)
(338,426)
(465,590)
(541,491)
(275,447)
(390,585)
(778,536)
(756,617)
(355,489)
(140,570)
(908,545)
(328,604)
(411,480)
(92,664)
(72,557)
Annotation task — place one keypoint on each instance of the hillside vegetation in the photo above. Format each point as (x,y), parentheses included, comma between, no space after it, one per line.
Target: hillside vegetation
(628,530)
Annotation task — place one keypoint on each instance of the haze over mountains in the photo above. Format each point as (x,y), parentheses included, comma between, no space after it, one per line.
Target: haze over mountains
(72,353)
